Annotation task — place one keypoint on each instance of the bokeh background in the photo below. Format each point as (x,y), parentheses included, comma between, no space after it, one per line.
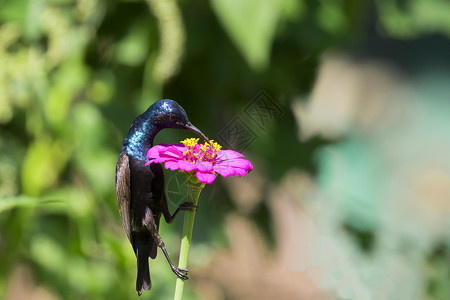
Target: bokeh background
(342,106)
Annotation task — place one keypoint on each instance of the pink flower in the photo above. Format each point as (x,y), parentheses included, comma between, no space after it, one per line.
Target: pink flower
(205,160)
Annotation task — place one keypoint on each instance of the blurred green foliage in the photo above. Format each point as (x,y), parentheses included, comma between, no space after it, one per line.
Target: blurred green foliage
(75,73)
(409,19)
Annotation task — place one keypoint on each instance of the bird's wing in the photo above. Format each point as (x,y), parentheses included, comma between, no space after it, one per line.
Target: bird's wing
(123,191)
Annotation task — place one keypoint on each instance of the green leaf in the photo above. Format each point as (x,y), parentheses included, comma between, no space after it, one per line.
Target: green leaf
(415,18)
(251,25)
(42,164)
(133,48)
(23,201)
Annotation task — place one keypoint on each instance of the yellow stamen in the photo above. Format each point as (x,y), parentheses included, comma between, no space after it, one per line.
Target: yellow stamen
(216,147)
(190,142)
(208,150)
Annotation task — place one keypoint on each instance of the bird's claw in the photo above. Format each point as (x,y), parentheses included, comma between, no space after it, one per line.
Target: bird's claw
(188,206)
(179,272)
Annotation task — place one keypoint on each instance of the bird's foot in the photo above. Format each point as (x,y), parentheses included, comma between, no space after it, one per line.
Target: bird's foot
(179,272)
(188,206)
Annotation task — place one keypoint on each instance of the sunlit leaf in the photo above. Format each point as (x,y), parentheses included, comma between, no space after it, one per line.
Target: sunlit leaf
(251,25)
(132,49)
(331,18)
(42,164)
(8,203)
(49,254)
(414,17)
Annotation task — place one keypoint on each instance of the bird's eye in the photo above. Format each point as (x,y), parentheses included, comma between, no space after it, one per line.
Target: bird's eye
(172,117)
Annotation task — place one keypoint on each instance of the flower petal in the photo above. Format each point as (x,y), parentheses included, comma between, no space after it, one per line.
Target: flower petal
(172,152)
(154,151)
(163,159)
(228,154)
(172,164)
(237,163)
(156,161)
(186,166)
(205,166)
(240,172)
(179,147)
(205,177)
(224,171)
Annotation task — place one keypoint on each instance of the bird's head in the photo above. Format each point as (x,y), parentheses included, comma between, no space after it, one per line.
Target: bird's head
(169,114)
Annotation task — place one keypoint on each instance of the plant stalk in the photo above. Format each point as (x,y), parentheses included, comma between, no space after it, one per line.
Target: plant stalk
(194,188)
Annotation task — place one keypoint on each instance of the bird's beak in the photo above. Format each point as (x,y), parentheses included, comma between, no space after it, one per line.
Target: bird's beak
(192,128)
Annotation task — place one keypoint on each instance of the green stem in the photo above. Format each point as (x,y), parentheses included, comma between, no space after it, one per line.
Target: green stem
(194,188)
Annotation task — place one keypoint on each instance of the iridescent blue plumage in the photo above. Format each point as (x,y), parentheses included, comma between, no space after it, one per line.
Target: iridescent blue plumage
(139,140)
(140,189)
(162,114)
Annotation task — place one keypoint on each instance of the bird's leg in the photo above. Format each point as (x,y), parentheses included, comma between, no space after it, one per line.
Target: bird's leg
(150,223)
(183,206)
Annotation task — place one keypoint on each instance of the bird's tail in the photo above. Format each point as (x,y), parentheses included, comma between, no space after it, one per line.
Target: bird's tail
(143,273)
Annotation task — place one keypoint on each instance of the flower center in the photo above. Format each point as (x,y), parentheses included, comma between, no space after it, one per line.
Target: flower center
(200,152)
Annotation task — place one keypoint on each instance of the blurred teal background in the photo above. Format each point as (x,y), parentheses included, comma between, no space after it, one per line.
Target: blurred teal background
(343,107)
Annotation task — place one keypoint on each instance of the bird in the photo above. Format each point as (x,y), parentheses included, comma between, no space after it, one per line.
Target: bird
(140,190)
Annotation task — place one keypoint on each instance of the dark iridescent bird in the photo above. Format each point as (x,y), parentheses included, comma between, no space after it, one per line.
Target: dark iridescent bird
(140,189)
